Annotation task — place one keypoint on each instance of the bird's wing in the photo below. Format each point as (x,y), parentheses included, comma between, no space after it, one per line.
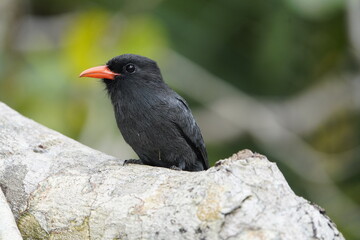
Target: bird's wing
(189,129)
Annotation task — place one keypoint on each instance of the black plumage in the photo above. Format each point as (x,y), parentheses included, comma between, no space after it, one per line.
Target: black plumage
(153,119)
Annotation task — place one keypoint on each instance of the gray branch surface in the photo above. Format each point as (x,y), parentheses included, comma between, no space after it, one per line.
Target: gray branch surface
(8,228)
(58,188)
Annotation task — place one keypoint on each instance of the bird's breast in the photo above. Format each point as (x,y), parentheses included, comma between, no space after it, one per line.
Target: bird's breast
(144,116)
(135,118)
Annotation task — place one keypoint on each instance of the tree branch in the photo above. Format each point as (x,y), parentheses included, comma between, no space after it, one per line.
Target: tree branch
(60,189)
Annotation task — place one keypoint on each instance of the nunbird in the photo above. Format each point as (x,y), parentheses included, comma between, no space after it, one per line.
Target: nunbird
(153,119)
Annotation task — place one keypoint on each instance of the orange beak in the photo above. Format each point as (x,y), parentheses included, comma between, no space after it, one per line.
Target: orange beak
(99,72)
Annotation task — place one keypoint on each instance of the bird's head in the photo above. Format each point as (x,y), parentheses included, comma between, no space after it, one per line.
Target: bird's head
(126,69)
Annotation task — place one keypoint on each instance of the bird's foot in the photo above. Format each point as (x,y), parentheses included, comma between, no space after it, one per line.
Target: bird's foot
(133,161)
(173,167)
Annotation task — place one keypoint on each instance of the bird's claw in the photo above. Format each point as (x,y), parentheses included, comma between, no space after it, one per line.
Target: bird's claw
(133,161)
(175,168)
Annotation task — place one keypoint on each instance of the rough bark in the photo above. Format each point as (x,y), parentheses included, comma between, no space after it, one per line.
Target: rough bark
(60,189)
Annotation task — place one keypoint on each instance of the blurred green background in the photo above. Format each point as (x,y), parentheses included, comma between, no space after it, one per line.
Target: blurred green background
(279,77)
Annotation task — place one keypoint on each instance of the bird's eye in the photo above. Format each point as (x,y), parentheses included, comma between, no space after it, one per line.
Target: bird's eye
(130,68)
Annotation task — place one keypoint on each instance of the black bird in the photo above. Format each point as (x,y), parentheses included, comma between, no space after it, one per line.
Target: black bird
(153,119)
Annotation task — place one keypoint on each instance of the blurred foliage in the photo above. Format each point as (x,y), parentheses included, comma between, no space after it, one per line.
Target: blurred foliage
(338,134)
(262,47)
(272,50)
